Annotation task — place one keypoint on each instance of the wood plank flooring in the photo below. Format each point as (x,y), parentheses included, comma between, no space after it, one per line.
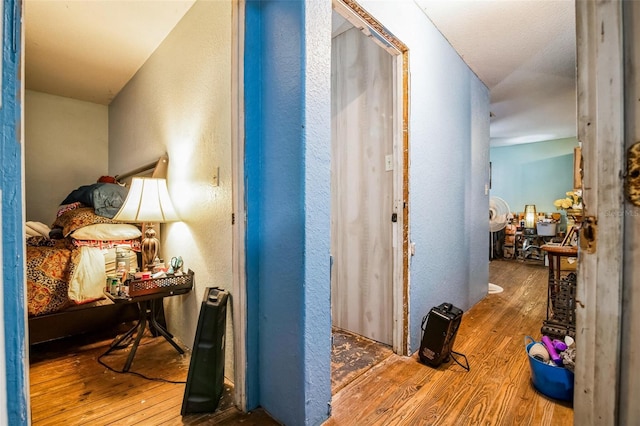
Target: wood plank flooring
(351,356)
(69,386)
(496,391)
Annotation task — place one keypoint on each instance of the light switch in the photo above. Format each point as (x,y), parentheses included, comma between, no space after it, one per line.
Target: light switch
(388,162)
(215,179)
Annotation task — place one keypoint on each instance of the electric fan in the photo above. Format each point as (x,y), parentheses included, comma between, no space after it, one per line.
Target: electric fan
(498,219)
(498,214)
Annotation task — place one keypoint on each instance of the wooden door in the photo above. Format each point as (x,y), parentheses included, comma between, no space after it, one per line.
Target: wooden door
(362,187)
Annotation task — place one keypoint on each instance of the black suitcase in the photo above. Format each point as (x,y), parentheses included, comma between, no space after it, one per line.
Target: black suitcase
(439,333)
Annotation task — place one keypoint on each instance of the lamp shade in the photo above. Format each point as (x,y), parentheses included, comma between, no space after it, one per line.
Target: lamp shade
(530,216)
(147,201)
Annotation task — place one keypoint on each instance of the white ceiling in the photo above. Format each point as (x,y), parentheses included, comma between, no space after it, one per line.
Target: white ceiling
(523,50)
(88,50)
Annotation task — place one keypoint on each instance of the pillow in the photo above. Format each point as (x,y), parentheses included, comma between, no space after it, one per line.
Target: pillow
(75,219)
(105,198)
(81,195)
(107,232)
(108,198)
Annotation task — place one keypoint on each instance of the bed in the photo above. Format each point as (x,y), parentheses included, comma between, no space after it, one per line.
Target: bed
(68,264)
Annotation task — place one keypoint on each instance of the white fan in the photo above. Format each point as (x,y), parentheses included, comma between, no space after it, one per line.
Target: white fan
(498,214)
(498,218)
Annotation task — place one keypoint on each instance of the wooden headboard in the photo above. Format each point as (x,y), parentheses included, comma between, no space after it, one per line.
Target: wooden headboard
(157,169)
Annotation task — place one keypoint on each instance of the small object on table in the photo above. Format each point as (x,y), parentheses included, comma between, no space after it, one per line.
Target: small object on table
(176,265)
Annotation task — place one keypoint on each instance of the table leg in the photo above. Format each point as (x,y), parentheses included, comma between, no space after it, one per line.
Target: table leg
(116,343)
(142,324)
(160,329)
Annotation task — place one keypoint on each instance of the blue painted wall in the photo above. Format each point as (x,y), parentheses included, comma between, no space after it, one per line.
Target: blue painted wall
(287,103)
(287,99)
(534,173)
(449,167)
(11,154)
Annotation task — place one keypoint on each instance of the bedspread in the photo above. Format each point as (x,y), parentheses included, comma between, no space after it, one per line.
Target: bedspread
(50,263)
(60,274)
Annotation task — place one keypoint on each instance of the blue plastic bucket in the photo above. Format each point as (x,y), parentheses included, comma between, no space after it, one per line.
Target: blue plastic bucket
(552,381)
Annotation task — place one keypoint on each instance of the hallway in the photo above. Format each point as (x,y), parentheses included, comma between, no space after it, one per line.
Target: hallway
(497,390)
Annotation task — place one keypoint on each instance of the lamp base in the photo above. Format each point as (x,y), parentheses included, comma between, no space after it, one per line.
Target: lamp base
(150,247)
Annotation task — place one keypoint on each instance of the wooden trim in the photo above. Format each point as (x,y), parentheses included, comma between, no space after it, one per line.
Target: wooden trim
(628,407)
(599,286)
(405,202)
(365,18)
(158,169)
(577,168)
(239,285)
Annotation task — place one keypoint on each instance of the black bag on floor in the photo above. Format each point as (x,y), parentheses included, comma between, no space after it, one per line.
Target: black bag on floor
(439,333)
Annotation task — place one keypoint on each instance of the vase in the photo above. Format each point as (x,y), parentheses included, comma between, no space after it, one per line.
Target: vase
(574,216)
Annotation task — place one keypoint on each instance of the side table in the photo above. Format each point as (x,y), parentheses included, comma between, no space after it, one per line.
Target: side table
(148,294)
(561,299)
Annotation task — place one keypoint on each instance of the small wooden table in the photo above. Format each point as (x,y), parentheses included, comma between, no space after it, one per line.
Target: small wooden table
(561,300)
(149,294)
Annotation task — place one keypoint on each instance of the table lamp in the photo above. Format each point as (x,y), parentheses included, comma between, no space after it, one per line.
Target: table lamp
(148,202)
(530,216)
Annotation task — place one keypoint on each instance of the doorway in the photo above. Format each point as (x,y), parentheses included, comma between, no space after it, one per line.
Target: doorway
(369,210)
(361,186)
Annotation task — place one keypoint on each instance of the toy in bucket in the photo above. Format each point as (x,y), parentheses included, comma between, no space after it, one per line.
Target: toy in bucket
(550,379)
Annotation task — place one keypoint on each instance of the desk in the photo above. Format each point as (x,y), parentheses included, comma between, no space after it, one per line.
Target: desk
(561,300)
(149,295)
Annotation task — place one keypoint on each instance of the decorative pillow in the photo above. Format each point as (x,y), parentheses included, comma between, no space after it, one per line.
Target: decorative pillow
(63,208)
(107,232)
(78,218)
(131,245)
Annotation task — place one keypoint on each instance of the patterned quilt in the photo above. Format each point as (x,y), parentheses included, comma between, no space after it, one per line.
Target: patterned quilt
(50,266)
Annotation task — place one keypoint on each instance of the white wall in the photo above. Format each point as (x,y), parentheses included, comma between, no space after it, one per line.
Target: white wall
(179,102)
(66,146)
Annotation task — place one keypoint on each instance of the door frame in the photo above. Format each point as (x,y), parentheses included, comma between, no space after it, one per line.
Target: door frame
(364,21)
(239,286)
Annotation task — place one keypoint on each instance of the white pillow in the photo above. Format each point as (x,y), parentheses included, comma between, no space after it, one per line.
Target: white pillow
(107,232)
(87,283)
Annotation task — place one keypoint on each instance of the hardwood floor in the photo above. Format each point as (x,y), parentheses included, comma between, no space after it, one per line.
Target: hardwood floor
(69,386)
(496,391)
(351,356)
